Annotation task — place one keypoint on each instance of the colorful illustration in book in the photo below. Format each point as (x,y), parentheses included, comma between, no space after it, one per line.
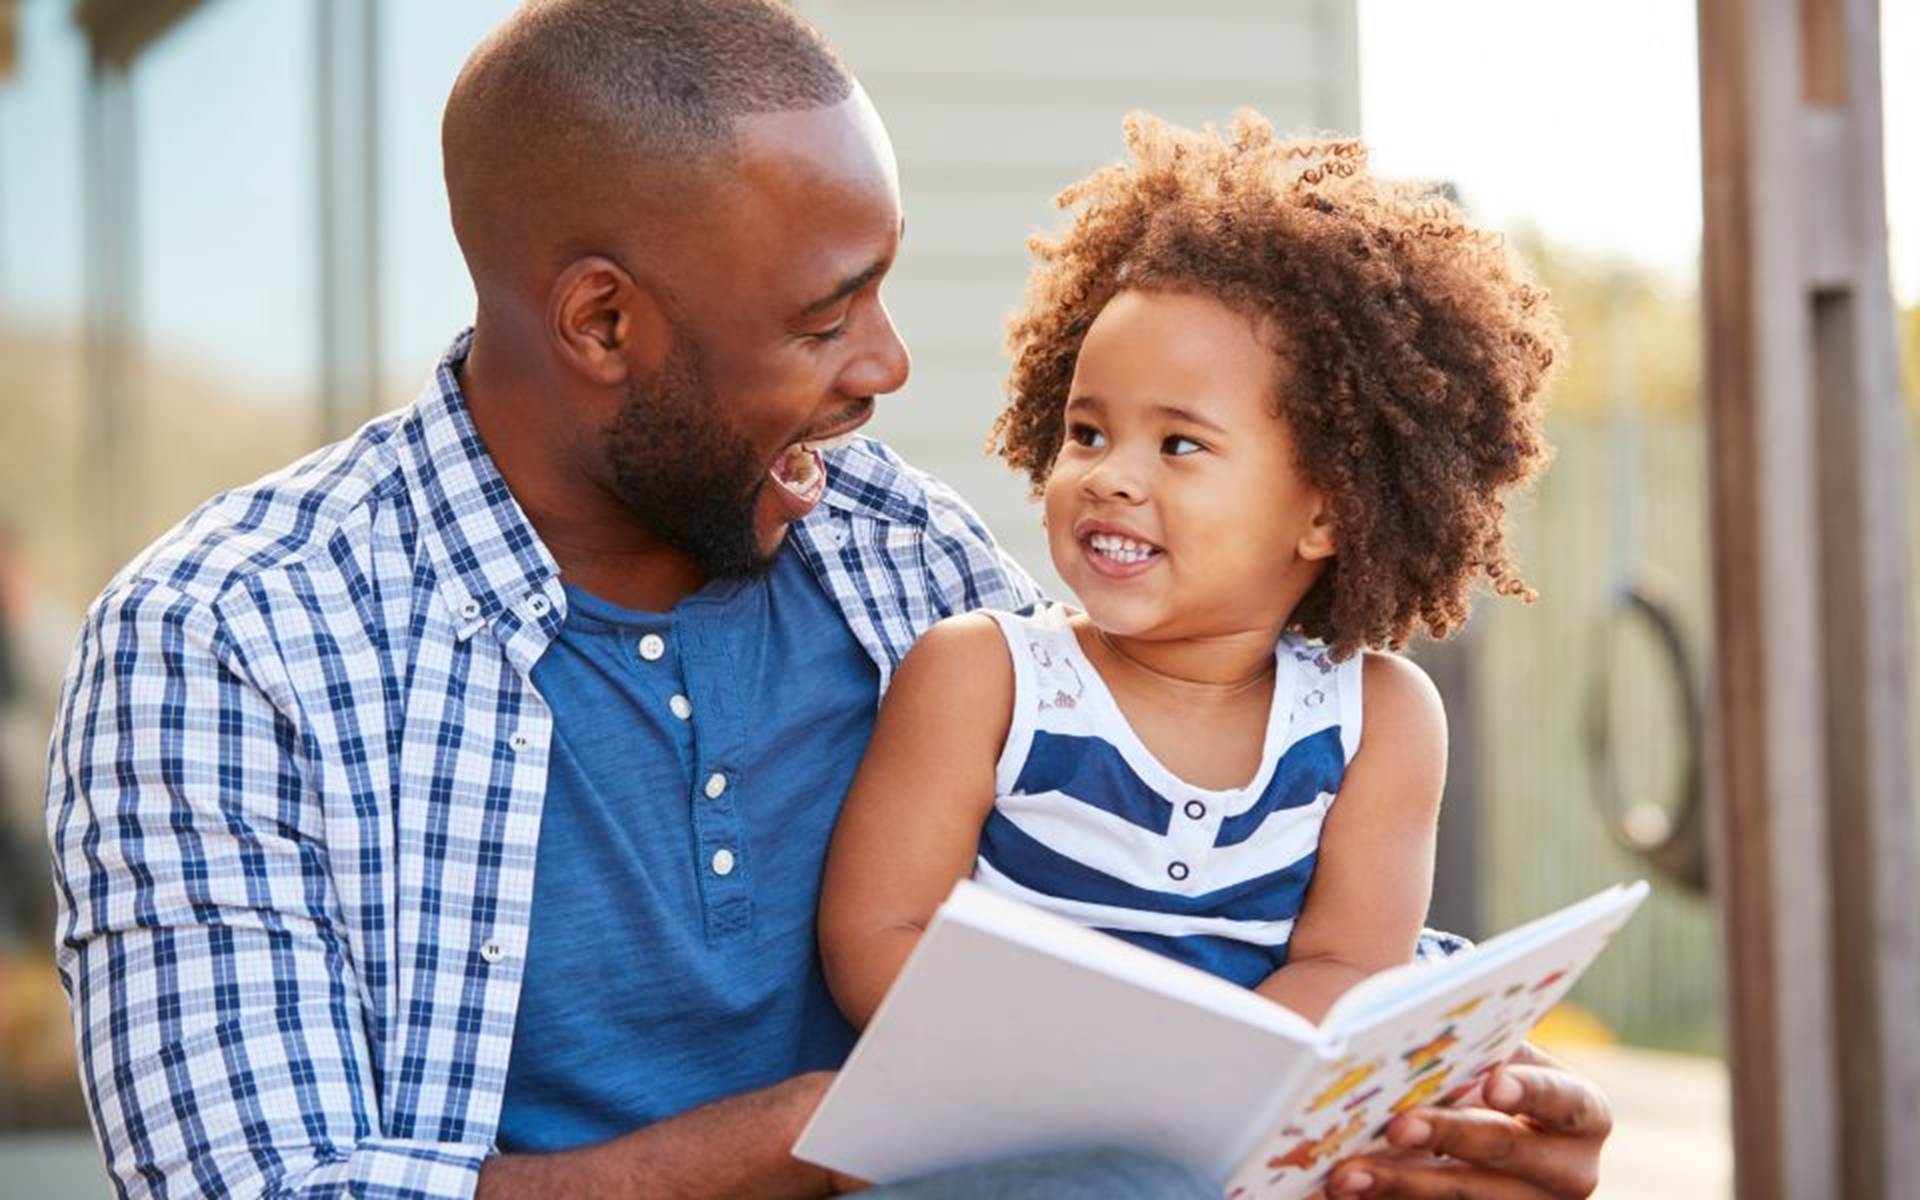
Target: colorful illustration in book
(1424,1056)
(1423,1090)
(1362,1098)
(1551,979)
(1350,1077)
(1435,1054)
(1305,1155)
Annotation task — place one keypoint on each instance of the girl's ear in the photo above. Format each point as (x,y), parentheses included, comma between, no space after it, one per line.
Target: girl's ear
(1318,541)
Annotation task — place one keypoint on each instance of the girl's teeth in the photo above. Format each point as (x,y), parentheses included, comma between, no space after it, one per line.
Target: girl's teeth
(1122,549)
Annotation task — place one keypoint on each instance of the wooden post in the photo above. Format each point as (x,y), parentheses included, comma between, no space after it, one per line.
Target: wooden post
(1810,787)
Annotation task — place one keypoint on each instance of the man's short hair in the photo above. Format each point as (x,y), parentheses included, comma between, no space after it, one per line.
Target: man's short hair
(661,79)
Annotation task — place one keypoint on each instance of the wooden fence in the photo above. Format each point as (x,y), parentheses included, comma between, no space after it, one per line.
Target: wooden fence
(1543,842)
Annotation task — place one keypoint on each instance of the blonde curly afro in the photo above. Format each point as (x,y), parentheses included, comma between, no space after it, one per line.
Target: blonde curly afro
(1416,351)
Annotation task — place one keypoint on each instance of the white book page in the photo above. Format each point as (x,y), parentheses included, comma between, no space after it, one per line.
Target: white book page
(999,1041)
(1379,996)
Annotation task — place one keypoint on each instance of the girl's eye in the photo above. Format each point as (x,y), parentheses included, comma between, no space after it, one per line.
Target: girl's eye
(1176,445)
(1086,435)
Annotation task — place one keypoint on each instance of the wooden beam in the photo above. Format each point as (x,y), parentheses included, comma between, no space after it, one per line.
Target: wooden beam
(1810,787)
(9,38)
(118,30)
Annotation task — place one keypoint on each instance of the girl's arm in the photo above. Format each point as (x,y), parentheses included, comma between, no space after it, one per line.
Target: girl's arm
(912,821)
(1374,875)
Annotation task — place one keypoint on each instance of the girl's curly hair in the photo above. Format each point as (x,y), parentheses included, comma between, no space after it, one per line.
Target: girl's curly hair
(1417,349)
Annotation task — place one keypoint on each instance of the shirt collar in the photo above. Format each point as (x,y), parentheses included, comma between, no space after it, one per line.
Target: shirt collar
(484,550)
(867,479)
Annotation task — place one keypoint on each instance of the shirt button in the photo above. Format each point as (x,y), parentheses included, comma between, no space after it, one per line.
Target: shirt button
(652,647)
(538,605)
(723,861)
(1177,870)
(520,742)
(1196,810)
(469,610)
(681,706)
(716,787)
(493,952)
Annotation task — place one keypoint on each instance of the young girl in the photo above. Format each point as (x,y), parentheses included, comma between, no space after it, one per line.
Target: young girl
(1272,405)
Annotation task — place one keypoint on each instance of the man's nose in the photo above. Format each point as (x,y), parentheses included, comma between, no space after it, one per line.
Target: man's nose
(885,364)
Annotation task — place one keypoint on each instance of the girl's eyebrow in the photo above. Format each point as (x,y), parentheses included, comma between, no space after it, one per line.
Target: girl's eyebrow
(1189,416)
(1173,411)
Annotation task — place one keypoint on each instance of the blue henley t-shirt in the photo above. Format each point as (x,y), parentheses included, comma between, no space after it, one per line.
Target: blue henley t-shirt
(699,759)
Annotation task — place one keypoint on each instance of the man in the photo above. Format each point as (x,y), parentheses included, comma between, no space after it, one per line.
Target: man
(445,815)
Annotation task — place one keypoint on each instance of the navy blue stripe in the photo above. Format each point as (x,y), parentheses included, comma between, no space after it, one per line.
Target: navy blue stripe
(1312,765)
(1091,771)
(1276,896)
(1236,962)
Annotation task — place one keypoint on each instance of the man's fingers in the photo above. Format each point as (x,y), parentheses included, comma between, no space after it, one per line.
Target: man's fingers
(1551,1097)
(1531,1055)
(1430,1179)
(1560,1165)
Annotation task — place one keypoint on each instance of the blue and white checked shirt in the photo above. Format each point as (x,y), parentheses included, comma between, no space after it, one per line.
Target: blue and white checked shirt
(295,795)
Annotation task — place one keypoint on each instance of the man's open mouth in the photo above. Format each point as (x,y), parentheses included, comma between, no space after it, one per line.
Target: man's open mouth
(801,470)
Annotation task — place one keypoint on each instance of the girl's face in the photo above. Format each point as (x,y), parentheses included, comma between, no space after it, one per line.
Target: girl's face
(1175,509)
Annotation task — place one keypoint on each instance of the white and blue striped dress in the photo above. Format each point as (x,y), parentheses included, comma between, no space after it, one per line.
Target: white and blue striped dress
(1088,824)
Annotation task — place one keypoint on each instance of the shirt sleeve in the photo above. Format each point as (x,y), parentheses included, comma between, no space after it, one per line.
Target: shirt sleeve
(966,561)
(1436,944)
(222,1042)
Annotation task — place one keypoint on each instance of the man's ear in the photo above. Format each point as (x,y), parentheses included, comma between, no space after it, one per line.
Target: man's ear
(607,325)
(1319,540)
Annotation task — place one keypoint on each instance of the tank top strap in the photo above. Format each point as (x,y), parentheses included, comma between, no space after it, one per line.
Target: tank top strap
(1327,693)
(1049,681)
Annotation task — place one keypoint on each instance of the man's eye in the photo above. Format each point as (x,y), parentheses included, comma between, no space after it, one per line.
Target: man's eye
(1086,435)
(1177,445)
(829,335)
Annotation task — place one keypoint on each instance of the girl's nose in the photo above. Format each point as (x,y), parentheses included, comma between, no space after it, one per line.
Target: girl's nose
(1112,479)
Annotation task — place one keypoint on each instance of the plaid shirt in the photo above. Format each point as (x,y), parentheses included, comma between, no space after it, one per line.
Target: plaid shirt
(295,796)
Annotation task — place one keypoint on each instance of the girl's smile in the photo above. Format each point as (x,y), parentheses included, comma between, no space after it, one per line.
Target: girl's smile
(1115,550)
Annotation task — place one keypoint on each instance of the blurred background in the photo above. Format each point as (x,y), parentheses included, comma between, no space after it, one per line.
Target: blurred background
(223,242)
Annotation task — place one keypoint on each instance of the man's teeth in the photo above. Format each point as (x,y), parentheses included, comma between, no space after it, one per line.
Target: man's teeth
(832,443)
(1122,549)
(797,470)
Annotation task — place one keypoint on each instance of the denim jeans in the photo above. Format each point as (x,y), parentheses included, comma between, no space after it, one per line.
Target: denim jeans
(1067,1175)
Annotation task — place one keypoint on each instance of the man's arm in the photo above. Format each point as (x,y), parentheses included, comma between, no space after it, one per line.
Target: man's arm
(222,1040)
(733,1147)
(222,1035)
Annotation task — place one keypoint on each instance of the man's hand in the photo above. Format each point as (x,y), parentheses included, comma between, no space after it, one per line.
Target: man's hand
(1534,1133)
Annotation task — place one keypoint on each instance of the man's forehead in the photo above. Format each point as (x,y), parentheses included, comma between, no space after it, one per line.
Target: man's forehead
(815,201)
(843,145)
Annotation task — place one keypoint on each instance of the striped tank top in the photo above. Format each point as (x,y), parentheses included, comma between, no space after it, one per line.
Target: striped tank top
(1088,824)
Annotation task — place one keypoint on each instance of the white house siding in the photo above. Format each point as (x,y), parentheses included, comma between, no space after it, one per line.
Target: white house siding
(994,106)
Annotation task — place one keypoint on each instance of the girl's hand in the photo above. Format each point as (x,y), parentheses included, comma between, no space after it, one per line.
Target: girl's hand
(1534,1133)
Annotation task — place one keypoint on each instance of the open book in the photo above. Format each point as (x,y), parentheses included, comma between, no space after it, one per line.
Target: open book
(1012,1031)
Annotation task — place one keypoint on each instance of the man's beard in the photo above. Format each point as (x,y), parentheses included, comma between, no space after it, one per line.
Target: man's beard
(692,480)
